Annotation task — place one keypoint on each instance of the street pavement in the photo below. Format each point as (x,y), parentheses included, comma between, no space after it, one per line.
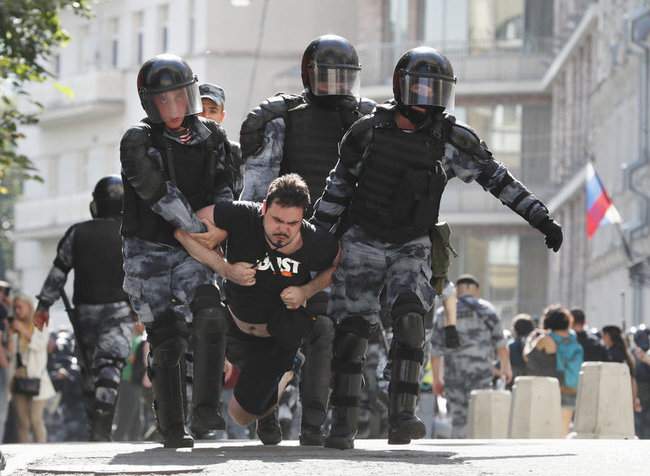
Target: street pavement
(371,457)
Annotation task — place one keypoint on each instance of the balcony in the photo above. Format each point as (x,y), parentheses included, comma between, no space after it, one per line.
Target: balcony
(92,94)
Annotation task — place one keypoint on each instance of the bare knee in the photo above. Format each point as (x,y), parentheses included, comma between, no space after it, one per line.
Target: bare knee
(238,414)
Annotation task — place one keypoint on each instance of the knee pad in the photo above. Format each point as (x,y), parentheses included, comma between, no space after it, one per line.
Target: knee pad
(206,296)
(405,303)
(409,330)
(167,326)
(169,352)
(356,325)
(107,382)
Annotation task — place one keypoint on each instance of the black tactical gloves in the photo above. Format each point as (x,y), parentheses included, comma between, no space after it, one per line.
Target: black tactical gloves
(452,341)
(553,232)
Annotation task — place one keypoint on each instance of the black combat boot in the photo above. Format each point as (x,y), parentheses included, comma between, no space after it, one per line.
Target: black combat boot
(350,347)
(101,424)
(209,330)
(404,385)
(168,383)
(315,381)
(268,428)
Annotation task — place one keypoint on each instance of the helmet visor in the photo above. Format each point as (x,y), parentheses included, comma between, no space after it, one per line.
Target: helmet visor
(427,91)
(334,81)
(169,106)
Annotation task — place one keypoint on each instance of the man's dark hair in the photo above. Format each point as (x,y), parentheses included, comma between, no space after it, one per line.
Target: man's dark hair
(557,318)
(578,316)
(288,191)
(522,325)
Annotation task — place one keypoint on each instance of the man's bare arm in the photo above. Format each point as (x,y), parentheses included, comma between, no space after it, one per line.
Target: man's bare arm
(322,279)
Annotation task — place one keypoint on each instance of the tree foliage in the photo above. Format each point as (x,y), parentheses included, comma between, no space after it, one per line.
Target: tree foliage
(30,31)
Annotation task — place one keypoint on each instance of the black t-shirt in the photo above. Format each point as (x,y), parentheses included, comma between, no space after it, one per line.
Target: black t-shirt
(275,271)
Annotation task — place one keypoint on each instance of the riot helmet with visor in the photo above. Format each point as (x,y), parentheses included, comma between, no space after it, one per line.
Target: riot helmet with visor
(424,77)
(330,67)
(168,90)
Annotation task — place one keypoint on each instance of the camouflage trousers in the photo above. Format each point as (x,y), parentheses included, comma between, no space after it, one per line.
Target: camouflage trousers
(369,265)
(105,332)
(158,278)
(458,388)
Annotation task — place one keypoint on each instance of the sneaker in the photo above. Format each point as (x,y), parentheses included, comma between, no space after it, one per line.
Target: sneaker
(268,429)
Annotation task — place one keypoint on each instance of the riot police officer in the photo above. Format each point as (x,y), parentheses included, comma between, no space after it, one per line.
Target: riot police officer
(102,317)
(300,134)
(173,163)
(392,170)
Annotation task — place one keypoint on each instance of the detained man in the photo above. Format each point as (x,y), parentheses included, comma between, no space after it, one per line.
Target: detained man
(270,257)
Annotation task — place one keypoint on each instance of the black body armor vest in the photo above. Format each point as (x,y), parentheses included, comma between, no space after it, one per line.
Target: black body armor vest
(192,168)
(311,143)
(97,258)
(401,183)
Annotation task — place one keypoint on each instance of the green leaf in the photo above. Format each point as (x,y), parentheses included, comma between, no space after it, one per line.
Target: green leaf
(65,90)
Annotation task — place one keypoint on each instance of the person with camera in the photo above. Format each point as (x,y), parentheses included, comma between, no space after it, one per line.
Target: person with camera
(31,386)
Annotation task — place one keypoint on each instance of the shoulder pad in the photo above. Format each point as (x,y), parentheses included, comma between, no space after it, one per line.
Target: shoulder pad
(464,137)
(136,136)
(356,140)
(252,129)
(366,106)
(217,130)
(384,115)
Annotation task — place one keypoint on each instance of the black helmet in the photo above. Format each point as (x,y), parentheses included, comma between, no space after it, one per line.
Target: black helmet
(330,67)
(424,77)
(161,75)
(107,197)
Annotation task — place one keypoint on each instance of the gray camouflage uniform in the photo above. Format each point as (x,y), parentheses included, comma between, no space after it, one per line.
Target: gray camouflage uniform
(156,274)
(368,264)
(469,367)
(104,330)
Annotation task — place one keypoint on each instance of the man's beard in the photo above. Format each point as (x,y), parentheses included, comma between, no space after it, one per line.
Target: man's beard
(274,240)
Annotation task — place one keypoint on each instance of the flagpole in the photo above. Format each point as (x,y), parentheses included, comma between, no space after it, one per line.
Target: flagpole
(626,244)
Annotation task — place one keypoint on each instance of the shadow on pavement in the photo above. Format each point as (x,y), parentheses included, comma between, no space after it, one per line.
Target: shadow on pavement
(486,458)
(282,454)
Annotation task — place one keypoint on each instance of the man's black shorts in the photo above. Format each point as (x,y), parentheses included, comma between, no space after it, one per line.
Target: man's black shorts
(261,362)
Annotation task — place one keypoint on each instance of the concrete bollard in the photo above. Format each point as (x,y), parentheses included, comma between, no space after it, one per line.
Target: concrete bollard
(604,403)
(489,414)
(536,408)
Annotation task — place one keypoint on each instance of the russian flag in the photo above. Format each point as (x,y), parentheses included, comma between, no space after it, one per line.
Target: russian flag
(600,209)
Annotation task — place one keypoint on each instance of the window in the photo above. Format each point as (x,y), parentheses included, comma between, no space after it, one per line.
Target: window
(114,30)
(84,60)
(499,125)
(163,22)
(138,28)
(496,24)
(190,26)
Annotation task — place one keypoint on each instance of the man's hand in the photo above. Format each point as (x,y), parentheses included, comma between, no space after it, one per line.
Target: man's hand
(241,273)
(211,238)
(293,297)
(553,232)
(41,318)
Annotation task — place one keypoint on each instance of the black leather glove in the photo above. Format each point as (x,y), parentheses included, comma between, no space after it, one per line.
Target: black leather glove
(452,341)
(553,232)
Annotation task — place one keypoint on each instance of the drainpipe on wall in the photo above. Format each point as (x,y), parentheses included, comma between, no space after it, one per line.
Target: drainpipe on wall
(639,30)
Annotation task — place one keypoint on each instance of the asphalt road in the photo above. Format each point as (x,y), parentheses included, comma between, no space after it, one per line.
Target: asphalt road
(371,457)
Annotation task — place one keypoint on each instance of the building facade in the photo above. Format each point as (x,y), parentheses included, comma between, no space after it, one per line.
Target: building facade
(501,51)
